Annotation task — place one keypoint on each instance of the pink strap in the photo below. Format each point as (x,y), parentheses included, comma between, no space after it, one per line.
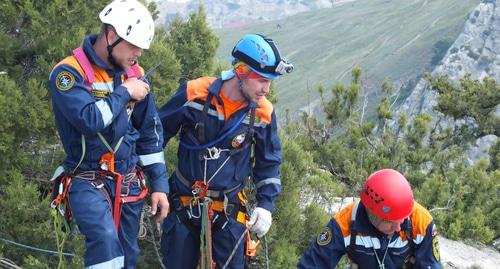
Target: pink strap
(84,63)
(134,72)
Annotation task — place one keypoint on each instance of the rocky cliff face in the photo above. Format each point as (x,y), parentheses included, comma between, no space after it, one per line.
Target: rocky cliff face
(477,52)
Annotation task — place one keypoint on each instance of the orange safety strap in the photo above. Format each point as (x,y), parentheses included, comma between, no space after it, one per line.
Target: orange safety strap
(251,246)
(117,203)
(66,182)
(216,206)
(119,200)
(62,196)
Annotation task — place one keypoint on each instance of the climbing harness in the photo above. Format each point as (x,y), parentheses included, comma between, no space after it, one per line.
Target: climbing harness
(212,208)
(62,179)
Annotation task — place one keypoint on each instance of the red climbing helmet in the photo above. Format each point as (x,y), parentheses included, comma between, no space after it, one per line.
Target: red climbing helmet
(387,195)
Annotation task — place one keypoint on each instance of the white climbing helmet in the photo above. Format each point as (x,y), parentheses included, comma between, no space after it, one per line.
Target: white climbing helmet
(131,20)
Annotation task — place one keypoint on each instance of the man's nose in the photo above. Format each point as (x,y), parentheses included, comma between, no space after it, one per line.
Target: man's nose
(266,88)
(396,227)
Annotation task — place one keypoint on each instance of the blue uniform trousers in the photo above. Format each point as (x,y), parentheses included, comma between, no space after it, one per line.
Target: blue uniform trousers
(181,246)
(105,248)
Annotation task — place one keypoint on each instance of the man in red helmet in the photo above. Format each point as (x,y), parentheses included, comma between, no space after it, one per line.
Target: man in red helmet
(388,229)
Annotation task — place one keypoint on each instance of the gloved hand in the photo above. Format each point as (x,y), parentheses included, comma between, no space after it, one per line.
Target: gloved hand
(260,221)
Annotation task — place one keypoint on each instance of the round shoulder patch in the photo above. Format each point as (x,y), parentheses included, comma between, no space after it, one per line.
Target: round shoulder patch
(65,80)
(435,248)
(325,237)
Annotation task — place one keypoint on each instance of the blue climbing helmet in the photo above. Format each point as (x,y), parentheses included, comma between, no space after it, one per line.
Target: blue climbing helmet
(261,55)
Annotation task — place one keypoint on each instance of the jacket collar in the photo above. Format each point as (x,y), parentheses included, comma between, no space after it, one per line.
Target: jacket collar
(88,48)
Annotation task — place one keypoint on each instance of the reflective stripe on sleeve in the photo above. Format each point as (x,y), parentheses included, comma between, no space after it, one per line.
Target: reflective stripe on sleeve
(115,263)
(152,158)
(268,181)
(107,115)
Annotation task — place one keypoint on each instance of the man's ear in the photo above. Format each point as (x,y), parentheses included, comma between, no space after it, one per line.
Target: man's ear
(112,36)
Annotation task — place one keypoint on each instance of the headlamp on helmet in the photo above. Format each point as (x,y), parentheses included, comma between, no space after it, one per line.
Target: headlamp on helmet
(262,56)
(284,67)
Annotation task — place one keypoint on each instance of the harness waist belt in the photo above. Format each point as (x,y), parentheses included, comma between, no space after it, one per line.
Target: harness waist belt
(92,174)
(215,204)
(210,193)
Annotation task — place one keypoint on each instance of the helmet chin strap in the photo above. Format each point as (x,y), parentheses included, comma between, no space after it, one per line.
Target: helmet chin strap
(373,219)
(110,47)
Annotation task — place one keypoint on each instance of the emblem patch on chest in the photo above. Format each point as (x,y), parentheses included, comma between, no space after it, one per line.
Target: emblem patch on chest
(238,140)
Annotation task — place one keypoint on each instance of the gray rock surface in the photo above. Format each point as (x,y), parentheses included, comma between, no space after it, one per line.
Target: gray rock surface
(476,51)
(456,254)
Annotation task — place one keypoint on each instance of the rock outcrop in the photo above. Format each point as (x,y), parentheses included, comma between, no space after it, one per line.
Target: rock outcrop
(476,51)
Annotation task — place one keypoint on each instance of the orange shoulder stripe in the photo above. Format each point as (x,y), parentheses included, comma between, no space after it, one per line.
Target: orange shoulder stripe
(100,74)
(198,88)
(343,218)
(420,219)
(71,61)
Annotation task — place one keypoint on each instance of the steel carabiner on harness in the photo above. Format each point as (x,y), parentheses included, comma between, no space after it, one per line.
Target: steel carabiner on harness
(213,153)
(200,189)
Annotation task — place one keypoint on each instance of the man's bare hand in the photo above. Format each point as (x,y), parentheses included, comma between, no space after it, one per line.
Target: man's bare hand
(159,206)
(137,89)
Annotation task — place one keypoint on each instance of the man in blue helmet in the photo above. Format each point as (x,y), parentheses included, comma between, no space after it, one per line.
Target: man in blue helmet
(220,121)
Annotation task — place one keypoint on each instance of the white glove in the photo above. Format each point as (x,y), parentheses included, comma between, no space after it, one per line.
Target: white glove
(260,221)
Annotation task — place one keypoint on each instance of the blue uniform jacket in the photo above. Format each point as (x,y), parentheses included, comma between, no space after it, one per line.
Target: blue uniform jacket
(334,242)
(182,112)
(106,110)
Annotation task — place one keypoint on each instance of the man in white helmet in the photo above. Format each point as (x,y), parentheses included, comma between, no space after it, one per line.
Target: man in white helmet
(111,133)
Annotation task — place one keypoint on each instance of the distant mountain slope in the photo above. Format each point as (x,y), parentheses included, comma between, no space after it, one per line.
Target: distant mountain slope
(476,51)
(398,39)
(233,13)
